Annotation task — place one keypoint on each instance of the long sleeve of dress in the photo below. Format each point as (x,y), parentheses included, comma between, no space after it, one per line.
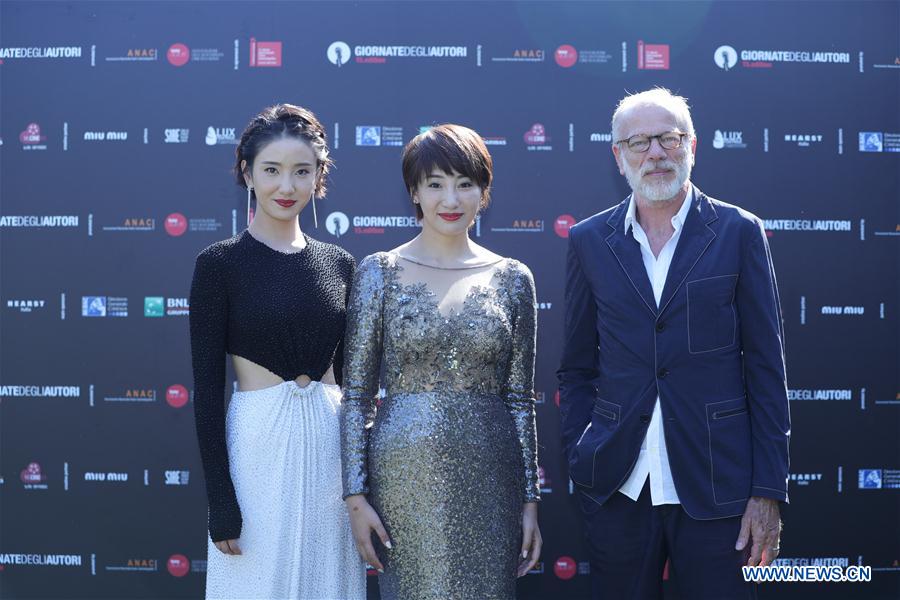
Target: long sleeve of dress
(362,365)
(519,392)
(338,362)
(209,320)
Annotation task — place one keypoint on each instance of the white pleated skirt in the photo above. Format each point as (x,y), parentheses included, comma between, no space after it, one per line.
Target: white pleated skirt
(285,459)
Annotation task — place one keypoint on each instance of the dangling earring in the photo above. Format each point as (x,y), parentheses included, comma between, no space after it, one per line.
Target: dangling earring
(315,218)
(249,193)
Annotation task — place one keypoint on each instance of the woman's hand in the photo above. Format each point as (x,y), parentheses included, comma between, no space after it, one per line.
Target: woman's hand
(229,547)
(363,521)
(531,538)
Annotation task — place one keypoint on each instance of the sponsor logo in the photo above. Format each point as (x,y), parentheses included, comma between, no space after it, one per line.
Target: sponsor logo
(177,477)
(39,221)
(32,478)
(521,226)
(565,567)
(807,225)
(544,305)
(176,136)
(41,52)
(380,54)
(728,140)
(220,135)
(877,141)
(870,479)
(177,307)
(158,306)
(890,65)
(93,306)
(804,479)
(133,395)
(135,55)
(494,140)
(337,224)
(530,55)
(601,138)
(104,306)
(178,55)
(133,224)
(153,306)
(819,561)
(562,224)
(338,53)
(265,54)
(844,310)
(377,135)
(178,565)
(567,56)
(877,479)
(175,224)
(146,565)
(25,306)
(32,138)
(652,56)
(726,57)
(537,138)
(177,395)
(544,482)
(809,394)
(110,476)
(105,136)
(803,140)
(372,224)
(40,391)
(42,560)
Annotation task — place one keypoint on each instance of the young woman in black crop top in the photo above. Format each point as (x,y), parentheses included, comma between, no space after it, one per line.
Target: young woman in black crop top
(274,299)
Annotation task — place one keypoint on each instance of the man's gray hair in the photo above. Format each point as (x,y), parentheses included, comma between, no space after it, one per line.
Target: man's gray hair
(658,96)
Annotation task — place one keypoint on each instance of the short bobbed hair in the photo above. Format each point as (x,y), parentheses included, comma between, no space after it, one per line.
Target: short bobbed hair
(449,148)
(280,121)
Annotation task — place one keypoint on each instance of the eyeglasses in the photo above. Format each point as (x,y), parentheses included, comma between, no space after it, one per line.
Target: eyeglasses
(671,140)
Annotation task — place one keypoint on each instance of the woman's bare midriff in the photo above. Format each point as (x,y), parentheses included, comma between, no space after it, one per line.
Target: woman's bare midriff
(252,376)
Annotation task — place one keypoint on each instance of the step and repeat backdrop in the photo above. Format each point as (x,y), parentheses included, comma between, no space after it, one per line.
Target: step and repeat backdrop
(118,123)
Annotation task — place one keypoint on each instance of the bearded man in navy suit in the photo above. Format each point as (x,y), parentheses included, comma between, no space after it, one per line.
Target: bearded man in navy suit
(673,397)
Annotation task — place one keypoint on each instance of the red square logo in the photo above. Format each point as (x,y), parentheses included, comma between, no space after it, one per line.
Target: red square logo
(653,56)
(265,54)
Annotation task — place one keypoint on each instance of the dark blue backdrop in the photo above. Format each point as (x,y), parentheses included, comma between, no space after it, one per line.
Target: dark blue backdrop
(118,122)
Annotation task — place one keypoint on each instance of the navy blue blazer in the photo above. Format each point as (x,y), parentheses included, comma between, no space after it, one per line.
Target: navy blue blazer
(713,351)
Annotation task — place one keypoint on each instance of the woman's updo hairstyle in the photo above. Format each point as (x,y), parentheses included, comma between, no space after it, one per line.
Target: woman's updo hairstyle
(278,121)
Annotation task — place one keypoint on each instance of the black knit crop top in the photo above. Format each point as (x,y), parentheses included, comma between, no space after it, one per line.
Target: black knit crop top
(283,311)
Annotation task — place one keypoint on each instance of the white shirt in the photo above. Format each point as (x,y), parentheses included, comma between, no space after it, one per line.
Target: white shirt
(653,461)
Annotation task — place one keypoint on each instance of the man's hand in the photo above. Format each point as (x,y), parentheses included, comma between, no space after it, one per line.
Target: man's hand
(762,523)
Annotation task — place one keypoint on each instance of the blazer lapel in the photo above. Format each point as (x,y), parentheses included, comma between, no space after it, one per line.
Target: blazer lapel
(628,252)
(696,236)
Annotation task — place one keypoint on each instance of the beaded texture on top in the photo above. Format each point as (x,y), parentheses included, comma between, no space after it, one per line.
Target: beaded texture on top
(285,312)
(449,456)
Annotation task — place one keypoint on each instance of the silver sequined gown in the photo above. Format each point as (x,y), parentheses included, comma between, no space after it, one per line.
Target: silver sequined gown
(448,456)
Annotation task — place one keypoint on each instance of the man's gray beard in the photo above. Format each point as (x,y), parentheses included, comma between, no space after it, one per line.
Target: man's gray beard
(661,192)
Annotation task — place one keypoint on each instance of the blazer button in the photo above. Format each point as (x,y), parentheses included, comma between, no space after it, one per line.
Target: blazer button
(662,373)
(660,326)
(645,418)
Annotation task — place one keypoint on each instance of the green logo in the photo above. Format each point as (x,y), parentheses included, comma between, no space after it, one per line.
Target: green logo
(153,306)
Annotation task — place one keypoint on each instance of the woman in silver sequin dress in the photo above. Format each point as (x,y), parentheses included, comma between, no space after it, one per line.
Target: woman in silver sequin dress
(440,478)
